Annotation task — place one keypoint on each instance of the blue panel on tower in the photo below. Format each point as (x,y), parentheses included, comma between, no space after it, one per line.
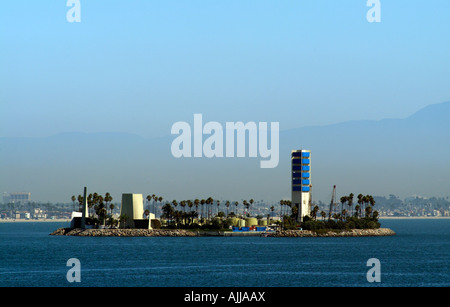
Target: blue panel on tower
(305,154)
(305,168)
(305,181)
(305,175)
(305,189)
(305,161)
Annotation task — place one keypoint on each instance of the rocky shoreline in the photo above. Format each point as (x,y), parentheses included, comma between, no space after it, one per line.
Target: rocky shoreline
(337,233)
(187,233)
(124,232)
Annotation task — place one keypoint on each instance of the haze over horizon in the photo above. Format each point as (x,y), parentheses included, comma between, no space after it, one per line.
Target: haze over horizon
(117,81)
(384,160)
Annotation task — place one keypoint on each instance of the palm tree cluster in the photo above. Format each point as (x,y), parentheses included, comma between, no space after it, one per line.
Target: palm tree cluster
(199,211)
(98,208)
(342,213)
(344,217)
(285,204)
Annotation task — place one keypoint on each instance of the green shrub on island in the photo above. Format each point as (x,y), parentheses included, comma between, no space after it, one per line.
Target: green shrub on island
(214,224)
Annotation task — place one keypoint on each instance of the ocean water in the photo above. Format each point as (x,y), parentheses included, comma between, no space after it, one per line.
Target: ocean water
(418,256)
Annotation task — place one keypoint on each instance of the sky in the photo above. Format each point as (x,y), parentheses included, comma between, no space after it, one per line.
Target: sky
(138,67)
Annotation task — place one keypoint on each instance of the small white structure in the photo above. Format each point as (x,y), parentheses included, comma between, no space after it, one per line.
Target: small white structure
(72,219)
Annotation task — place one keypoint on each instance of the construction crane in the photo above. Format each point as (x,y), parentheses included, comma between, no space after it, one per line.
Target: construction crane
(333,198)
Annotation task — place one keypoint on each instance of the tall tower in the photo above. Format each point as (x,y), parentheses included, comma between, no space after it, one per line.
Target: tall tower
(133,208)
(301,182)
(84,209)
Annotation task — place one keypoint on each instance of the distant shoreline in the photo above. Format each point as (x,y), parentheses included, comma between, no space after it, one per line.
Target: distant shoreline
(36,221)
(413,217)
(380,218)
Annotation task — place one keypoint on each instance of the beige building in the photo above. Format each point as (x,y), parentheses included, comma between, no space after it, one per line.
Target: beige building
(133,208)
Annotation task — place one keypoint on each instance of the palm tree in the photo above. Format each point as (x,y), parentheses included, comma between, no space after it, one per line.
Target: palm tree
(360,202)
(90,202)
(236,203)
(73,201)
(375,215)
(282,202)
(108,198)
(343,201)
(202,203)
(314,212)
(183,204)
(227,204)
(344,213)
(111,207)
(245,203)
(357,210)
(209,202)
(160,199)
(155,198)
(323,214)
(167,212)
(80,203)
(189,204)
(251,201)
(350,203)
(368,211)
(366,200)
(149,198)
(218,204)
(175,204)
(196,203)
(294,210)
(371,200)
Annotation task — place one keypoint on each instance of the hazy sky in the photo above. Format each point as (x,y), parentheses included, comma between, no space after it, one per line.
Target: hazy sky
(139,66)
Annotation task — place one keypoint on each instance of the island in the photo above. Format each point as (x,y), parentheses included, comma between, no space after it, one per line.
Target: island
(135,222)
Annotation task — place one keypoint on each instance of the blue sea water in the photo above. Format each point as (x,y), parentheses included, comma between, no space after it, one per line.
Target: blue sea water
(417,256)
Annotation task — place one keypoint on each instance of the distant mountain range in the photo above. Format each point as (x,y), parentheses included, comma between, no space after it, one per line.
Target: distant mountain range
(378,157)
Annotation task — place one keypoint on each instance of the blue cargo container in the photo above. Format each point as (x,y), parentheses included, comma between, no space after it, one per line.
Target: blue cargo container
(245,228)
(260,228)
